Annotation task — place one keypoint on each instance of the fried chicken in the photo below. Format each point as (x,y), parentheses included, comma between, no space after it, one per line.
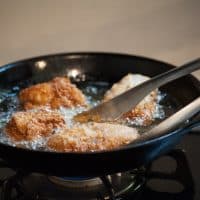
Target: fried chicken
(55,93)
(32,124)
(143,113)
(92,137)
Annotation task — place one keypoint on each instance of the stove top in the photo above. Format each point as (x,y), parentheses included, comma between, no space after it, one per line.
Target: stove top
(174,176)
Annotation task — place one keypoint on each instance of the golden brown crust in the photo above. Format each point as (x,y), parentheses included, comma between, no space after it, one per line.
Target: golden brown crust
(55,93)
(32,124)
(143,113)
(36,95)
(92,137)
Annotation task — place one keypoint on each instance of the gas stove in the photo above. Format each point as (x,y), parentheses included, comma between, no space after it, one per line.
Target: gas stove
(172,176)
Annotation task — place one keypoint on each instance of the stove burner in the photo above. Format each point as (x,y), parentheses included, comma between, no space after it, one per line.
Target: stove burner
(115,185)
(76,182)
(37,186)
(121,186)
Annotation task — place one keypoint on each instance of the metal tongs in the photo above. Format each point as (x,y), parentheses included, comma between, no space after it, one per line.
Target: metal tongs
(116,107)
(173,122)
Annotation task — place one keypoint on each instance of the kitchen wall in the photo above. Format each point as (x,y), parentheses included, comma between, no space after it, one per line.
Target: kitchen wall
(163,29)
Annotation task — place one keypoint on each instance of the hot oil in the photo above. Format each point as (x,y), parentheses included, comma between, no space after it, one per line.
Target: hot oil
(93,91)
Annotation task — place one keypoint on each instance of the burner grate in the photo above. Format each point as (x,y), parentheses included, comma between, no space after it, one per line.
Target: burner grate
(122,186)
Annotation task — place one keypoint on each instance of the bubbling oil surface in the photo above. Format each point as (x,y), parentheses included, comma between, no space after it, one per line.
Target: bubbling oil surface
(94,91)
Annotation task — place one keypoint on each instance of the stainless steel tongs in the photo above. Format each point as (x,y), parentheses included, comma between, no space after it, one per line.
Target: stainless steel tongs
(116,107)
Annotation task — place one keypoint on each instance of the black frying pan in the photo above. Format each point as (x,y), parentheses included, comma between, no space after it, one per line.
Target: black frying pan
(102,67)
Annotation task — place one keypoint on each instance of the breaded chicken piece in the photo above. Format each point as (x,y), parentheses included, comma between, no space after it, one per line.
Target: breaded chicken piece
(32,124)
(55,93)
(92,137)
(144,111)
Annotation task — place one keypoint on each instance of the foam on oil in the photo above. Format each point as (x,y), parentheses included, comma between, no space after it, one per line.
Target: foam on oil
(93,91)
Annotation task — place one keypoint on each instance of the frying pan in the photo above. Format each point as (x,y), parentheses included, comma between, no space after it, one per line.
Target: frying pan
(109,67)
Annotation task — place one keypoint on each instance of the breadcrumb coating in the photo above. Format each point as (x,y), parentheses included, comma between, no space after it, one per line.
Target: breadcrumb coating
(32,124)
(92,137)
(144,111)
(55,93)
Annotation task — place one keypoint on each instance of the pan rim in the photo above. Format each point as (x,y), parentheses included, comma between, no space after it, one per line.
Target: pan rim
(88,54)
(79,53)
